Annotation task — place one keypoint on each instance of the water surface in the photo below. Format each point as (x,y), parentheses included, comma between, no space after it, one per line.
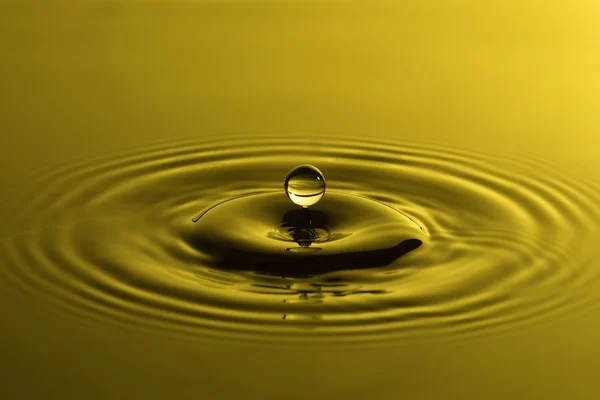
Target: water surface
(473,126)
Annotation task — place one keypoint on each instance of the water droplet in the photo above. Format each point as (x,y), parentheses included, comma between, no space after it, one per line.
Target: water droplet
(305,185)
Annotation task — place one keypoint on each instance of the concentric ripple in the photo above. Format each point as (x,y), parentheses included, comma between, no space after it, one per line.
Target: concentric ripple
(509,243)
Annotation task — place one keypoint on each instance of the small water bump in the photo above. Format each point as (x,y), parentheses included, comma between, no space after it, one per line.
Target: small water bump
(305,185)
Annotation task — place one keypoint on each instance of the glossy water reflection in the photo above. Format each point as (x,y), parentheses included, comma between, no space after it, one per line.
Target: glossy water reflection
(107,289)
(429,241)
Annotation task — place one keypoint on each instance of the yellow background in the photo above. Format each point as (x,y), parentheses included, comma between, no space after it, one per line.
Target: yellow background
(88,78)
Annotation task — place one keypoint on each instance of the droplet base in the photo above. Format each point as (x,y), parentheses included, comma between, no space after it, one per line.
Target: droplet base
(265,233)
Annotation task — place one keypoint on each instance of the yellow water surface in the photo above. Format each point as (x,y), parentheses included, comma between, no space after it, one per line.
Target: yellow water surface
(122,119)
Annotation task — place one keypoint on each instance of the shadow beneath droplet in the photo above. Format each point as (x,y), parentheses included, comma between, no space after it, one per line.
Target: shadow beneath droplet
(309,264)
(297,248)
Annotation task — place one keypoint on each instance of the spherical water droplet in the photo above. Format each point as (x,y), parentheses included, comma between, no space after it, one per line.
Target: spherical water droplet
(305,185)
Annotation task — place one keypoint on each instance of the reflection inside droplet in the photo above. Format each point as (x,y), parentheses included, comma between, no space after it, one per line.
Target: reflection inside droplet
(305,185)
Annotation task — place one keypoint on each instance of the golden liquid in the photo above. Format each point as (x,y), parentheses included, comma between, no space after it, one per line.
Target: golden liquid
(122,120)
